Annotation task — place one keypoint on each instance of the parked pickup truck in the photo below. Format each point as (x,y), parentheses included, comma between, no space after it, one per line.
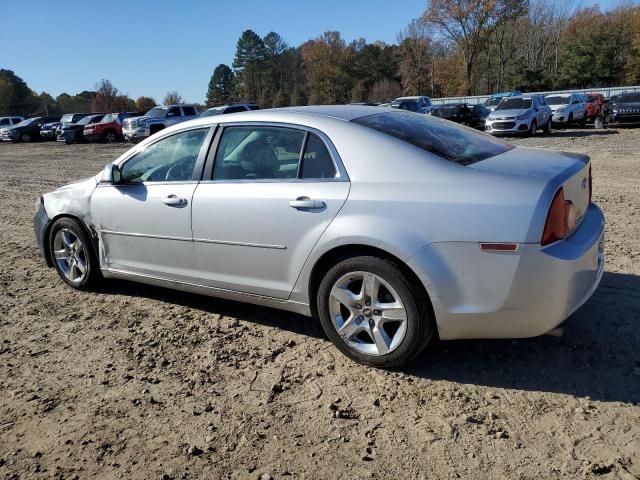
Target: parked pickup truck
(138,128)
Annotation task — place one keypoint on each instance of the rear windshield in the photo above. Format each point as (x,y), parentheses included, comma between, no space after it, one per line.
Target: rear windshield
(452,142)
(514,104)
(558,100)
(629,97)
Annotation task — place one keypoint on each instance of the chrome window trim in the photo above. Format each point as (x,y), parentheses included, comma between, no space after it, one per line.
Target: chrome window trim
(341,176)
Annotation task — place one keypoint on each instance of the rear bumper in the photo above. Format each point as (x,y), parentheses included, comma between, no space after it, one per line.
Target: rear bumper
(476,294)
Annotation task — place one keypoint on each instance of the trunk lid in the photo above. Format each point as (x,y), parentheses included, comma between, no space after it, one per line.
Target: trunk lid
(558,169)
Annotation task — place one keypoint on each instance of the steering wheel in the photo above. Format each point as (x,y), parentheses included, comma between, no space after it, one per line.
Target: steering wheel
(176,170)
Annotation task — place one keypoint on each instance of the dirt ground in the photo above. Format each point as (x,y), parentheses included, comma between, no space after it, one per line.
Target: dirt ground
(140,382)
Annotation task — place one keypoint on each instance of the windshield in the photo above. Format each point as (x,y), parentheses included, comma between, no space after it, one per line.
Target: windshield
(514,104)
(558,100)
(492,102)
(109,118)
(88,119)
(68,118)
(452,142)
(592,99)
(629,98)
(27,122)
(212,111)
(156,112)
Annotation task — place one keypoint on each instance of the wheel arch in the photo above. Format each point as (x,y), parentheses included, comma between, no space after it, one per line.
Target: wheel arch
(329,258)
(89,232)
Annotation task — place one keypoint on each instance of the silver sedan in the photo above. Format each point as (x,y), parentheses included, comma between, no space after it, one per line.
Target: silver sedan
(394,228)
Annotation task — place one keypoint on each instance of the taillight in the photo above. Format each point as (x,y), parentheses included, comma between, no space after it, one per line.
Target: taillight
(590,185)
(555,227)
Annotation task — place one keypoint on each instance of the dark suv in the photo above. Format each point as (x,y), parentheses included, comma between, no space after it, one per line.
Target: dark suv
(27,130)
(230,108)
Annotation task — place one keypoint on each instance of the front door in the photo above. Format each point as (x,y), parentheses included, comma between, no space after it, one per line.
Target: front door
(144,221)
(273,192)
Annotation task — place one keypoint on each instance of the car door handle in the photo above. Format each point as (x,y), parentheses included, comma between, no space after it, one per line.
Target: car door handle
(306,202)
(174,201)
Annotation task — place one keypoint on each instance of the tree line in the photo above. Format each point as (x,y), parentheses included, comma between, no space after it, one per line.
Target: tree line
(454,48)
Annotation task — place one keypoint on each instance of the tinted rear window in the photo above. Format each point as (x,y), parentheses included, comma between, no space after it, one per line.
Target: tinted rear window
(452,142)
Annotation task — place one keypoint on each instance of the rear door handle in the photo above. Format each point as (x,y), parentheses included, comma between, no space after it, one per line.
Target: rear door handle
(306,202)
(174,201)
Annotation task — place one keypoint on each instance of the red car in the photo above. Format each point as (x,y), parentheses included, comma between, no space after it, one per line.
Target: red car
(109,129)
(595,105)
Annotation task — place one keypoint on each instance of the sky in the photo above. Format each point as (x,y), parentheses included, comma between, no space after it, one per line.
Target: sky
(150,47)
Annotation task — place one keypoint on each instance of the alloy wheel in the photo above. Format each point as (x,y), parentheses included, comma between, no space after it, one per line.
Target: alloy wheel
(70,255)
(367,313)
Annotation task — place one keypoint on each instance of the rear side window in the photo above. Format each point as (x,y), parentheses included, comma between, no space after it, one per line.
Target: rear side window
(451,142)
(189,110)
(316,161)
(174,112)
(4,121)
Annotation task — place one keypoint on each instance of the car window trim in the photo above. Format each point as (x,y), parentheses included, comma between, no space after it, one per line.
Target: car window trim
(341,175)
(198,169)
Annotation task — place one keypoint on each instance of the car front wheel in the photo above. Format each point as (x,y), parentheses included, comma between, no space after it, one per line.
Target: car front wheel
(72,255)
(373,313)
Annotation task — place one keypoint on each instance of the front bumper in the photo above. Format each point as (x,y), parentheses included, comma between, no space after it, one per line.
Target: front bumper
(40,225)
(616,119)
(507,127)
(137,133)
(48,134)
(560,117)
(8,138)
(476,294)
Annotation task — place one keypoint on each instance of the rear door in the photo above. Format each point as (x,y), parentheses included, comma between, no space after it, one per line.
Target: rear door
(272,192)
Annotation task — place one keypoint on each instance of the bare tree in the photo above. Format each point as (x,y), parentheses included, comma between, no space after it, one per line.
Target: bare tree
(470,23)
(385,90)
(415,59)
(172,98)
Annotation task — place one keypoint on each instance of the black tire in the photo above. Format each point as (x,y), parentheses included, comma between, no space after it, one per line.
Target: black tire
(25,137)
(533,129)
(547,127)
(570,120)
(419,322)
(110,136)
(92,273)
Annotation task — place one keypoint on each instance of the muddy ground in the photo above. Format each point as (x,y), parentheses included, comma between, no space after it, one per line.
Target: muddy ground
(140,382)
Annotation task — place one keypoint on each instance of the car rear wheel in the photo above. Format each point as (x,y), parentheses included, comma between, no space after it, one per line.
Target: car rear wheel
(72,254)
(25,137)
(373,313)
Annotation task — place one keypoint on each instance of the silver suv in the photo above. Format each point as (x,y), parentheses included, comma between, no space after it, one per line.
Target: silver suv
(135,129)
(516,115)
(568,108)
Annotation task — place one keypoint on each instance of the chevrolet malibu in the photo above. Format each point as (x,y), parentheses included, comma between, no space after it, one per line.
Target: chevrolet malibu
(394,228)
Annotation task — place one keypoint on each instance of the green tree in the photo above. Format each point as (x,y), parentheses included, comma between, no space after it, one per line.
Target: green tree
(220,86)
(250,53)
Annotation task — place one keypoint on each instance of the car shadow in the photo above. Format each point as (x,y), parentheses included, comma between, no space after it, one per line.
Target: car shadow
(568,133)
(598,356)
(269,317)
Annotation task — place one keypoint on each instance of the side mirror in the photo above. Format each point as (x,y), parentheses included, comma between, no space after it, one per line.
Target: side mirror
(111,174)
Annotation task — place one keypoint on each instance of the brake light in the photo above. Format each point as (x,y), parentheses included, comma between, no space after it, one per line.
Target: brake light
(555,227)
(590,185)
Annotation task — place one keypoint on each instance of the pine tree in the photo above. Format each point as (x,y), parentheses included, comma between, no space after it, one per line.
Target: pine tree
(220,86)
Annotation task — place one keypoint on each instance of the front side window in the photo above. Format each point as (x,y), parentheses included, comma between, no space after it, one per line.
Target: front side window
(447,140)
(171,159)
